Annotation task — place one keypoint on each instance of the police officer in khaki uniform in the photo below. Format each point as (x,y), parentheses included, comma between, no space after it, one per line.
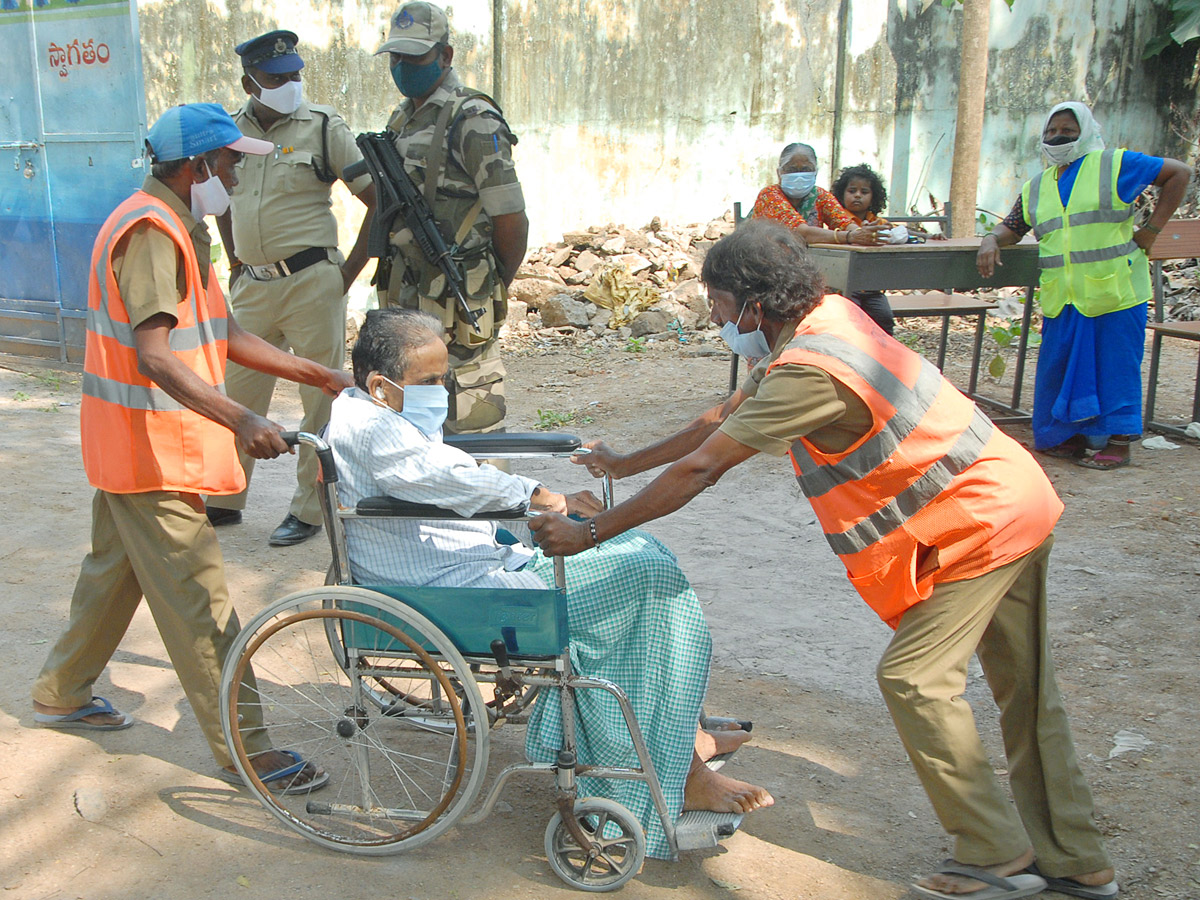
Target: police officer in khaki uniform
(289,282)
(458,150)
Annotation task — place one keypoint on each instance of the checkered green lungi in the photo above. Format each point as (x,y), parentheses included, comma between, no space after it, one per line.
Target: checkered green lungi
(635,620)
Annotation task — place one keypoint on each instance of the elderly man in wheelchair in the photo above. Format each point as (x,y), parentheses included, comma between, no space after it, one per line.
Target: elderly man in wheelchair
(398,718)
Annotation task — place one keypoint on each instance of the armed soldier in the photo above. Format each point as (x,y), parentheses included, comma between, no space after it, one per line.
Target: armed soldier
(458,149)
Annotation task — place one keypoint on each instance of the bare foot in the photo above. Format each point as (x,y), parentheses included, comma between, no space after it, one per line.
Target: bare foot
(274,760)
(95,719)
(715,792)
(710,743)
(961,884)
(1093,879)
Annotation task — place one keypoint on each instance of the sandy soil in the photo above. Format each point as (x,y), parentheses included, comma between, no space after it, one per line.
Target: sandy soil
(138,814)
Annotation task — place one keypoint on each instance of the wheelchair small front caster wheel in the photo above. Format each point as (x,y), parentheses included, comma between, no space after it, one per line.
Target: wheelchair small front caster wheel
(618,851)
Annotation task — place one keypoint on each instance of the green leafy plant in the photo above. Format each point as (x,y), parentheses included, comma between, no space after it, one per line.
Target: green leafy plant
(50,380)
(20,396)
(1006,333)
(1185,26)
(635,345)
(549,419)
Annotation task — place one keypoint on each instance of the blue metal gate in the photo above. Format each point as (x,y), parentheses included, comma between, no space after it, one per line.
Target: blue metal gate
(72,124)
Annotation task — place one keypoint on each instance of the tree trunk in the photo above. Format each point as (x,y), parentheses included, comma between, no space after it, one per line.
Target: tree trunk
(968,134)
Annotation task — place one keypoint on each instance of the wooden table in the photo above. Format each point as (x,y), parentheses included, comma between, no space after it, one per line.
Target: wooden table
(945,267)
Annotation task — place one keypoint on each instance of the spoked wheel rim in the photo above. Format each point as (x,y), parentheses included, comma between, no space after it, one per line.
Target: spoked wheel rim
(619,846)
(394,783)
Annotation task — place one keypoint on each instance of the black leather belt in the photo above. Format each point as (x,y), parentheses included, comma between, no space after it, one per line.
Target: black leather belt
(290,266)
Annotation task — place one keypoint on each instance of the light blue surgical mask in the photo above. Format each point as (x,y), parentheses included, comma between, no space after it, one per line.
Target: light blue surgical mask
(752,345)
(798,185)
(425,405)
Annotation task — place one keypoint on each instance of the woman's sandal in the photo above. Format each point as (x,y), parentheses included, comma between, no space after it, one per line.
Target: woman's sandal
(1065,450)
(1101,459)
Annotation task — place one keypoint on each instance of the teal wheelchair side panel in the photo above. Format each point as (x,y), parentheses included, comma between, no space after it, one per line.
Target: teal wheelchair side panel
(532,623)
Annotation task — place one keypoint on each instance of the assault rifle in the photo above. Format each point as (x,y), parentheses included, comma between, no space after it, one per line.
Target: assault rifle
(397,198)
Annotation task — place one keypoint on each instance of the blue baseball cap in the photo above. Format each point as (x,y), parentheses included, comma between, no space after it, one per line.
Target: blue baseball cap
(193,128)
(273,53)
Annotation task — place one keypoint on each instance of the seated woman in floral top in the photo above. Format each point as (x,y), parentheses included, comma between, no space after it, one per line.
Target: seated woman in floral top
(812,211)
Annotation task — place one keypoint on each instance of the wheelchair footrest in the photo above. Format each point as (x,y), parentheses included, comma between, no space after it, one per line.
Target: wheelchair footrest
(700,830)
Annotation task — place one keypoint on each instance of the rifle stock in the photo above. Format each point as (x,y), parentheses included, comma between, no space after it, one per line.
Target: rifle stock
(397,197)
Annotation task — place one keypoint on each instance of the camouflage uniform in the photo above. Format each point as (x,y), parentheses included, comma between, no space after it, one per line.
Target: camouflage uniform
(477,181)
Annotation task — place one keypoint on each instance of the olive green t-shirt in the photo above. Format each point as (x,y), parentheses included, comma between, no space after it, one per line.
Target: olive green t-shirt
(794,401)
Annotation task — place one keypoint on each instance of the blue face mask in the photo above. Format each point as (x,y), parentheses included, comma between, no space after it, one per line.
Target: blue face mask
(425,405)
(798,185)
(416,81)
(752,345)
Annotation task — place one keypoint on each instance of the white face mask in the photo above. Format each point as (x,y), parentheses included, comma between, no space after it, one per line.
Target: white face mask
(1063,154)
(752,345)
(209,198)
(284,99)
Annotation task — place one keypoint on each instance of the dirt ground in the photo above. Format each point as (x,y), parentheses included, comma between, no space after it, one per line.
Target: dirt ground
(138,813)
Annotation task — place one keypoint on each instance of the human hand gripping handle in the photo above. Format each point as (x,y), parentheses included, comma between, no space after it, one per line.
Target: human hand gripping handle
(601,461)
(557,535)
(260,437)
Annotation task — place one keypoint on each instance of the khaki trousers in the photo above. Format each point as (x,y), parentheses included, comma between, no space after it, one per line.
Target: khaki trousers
(158,545)
(305,313)
(1001,616)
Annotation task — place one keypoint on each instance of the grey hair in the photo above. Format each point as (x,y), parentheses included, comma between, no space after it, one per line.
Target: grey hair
(792,149)
(387,340)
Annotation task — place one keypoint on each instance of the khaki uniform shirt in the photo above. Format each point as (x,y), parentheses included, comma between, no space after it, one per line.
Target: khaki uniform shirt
(280,207)
(150,271)
(795,401)
(479,166)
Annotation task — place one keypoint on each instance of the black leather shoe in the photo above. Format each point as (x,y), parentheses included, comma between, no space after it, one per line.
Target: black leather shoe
(219,516)
(292,531)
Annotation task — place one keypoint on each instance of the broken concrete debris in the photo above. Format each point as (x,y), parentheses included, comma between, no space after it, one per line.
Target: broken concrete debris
(642,282)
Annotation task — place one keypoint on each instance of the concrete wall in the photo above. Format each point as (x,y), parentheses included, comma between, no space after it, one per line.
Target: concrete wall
(627,109)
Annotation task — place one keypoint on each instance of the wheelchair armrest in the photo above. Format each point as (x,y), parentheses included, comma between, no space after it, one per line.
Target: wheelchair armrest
(383,507)
(514,442)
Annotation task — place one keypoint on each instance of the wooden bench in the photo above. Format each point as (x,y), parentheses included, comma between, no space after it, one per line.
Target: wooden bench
(1180,239)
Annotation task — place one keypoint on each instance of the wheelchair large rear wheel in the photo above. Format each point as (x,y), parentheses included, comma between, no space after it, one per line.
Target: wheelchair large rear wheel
(398,777)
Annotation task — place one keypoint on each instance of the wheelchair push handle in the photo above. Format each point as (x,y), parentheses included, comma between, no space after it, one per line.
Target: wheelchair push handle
(323,451)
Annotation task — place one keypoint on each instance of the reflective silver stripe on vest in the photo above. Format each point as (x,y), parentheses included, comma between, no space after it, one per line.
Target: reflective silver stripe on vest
(1106,179)
(919,494)
(1052,262)
(910,406)
(1035,190)
(1088,256)
(133,396)
(1041,229)
(1101,216)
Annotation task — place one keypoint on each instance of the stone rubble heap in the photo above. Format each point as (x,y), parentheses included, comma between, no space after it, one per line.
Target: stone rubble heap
(642,284)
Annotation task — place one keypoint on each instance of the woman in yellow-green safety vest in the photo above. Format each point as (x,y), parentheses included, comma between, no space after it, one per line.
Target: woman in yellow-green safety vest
(1094,284)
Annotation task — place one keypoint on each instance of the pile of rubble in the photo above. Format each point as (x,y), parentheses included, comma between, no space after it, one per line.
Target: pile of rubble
(642,284)
(1181,290)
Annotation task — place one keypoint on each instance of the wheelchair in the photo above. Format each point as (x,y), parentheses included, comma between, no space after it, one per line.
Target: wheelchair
(393,692)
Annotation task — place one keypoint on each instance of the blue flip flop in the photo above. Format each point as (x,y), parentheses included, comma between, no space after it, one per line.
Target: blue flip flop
(97,706)
(279,781)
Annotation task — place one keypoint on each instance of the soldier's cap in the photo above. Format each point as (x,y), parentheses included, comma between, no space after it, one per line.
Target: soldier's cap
(193,128)
(417,28)
(273,53)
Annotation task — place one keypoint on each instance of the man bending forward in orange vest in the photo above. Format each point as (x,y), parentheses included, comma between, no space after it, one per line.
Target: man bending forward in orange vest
(944,525)
(158,431)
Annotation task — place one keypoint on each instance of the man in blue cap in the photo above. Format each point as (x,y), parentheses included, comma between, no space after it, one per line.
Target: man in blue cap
(158,431)
(289,281)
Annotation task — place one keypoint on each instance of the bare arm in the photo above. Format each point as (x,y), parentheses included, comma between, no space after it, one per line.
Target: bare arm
(1173,181)
(358,257)
(604,460)
(672,490)
(225,228)
(255,435)
(510,238)
(253,352)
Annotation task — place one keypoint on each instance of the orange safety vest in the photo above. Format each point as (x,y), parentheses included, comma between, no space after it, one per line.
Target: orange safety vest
(932,472)
(135,436)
